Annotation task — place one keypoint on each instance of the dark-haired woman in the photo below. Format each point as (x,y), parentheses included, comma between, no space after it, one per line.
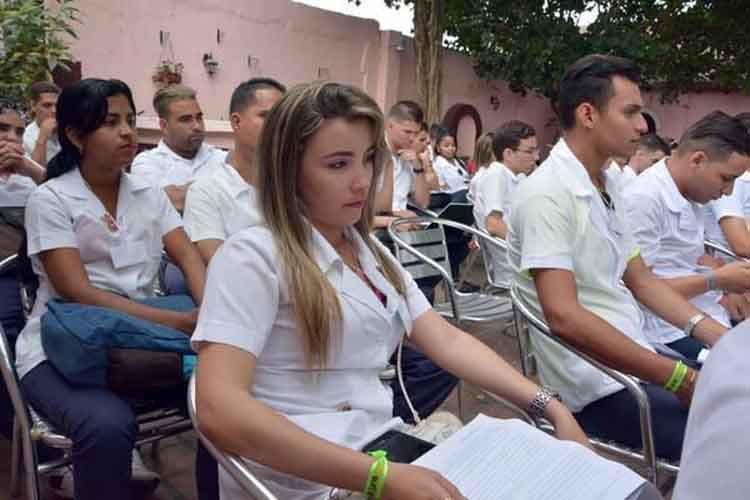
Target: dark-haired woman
(95,236)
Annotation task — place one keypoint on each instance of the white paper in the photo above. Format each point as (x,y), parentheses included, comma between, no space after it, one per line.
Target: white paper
(493,459)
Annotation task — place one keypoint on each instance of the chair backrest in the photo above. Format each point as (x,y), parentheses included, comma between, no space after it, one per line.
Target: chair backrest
(428,242)
(233,464)
(459,212)
(539,326)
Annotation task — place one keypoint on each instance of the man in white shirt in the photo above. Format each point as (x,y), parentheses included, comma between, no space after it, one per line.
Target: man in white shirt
(651,149)
(224,203)
(40,140)
(714,459)
(515,144)
(406,171)
(182,156)
(576,264)
(727,217)
(664,208)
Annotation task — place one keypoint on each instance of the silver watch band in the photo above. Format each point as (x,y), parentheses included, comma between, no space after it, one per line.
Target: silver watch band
(538,405)
(692,323)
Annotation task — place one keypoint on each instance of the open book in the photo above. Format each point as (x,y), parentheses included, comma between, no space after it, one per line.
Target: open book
(493,459)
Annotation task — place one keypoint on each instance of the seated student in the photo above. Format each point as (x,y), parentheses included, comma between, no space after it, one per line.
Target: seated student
(651,149)
(218,206)
(664,209)
(182,156)
(575,263)
(453,178)
(726,219)
(95,236)
(18,178)
(40,139)
(291,347)
(515,144)
(714,458)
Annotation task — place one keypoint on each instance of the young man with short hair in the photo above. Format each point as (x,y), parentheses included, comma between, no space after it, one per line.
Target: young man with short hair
(577,265)
(727,218)
(224,203)
(181,156)
(664,208)
(40,141)
(515,146)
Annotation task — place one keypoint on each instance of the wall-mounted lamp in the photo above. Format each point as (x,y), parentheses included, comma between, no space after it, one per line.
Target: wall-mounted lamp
(211,64)
(324,73)
(495,102)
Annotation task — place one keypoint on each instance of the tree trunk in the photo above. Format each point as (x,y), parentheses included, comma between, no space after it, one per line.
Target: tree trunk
(429,17)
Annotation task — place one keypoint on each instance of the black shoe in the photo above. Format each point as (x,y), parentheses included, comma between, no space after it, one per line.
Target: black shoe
(468,287)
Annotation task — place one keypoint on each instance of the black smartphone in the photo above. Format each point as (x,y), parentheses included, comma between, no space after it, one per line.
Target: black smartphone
(401,447)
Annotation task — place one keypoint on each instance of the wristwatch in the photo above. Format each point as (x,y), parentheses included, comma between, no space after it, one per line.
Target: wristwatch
(541,400)
(692,323)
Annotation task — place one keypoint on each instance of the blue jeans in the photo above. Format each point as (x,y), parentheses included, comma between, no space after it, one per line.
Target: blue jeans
(11,319)
(101,425)
(172,279)
(615,417)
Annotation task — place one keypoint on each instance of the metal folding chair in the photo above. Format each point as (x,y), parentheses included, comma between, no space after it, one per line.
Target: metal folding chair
(155,421)
(715,248)
(490,254)
(233,464)
(647,456)
(423,254)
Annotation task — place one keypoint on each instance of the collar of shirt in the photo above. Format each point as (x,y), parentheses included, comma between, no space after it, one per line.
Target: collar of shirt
(674,200)
(514,176)
(204,154)
(576,177)
(73,184)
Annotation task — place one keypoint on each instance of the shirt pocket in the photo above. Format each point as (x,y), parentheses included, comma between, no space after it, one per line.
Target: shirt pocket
(94,237)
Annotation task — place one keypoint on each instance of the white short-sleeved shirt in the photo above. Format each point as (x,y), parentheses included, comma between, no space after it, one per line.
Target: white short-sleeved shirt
(253,311)
(714,455)
(736,204)
(669,231)
(559,221)
(160,166)
(64,213)
(403,182)
(493,188)
(30,137)
(451,174)
(15,190)
(220,205)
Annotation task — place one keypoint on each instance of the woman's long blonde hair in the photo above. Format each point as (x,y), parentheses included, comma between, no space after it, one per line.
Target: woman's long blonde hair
(289,125)
(483,154)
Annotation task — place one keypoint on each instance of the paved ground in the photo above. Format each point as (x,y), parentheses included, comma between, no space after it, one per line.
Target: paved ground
(174,457)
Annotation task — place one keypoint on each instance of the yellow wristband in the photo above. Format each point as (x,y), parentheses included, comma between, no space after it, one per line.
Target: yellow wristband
(376,477)
(678,376)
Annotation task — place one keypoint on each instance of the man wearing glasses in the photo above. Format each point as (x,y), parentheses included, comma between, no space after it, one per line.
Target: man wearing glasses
(515,147)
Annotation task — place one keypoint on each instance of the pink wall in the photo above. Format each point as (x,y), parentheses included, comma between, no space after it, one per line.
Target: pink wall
(296,43)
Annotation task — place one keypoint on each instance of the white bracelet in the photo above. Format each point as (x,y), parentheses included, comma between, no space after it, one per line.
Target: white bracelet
(692,323)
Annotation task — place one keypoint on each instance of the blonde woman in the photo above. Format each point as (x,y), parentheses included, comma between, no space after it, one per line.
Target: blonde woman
(301,314)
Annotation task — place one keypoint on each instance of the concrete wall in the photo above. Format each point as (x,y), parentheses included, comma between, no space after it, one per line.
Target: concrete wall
(296,43)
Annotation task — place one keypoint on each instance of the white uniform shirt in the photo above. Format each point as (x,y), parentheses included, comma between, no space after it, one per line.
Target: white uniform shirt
(346,402)
(493,188)
(451,174)
(714,455)
(736,204)
(15,190)
(669,231)
(31,135)
(160,166)
(220,205)
(403,182)
(559,221)
(64,213)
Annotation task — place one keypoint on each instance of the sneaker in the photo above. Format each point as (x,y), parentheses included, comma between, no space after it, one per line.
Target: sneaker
(145,477)
(61,482)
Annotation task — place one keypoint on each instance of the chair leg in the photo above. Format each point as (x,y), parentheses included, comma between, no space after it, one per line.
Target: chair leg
(15,460)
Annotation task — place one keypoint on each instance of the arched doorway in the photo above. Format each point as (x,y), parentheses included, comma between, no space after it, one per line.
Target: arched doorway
(466,124)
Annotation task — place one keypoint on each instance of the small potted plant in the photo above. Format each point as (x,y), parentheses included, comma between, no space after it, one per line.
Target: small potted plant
(168,72)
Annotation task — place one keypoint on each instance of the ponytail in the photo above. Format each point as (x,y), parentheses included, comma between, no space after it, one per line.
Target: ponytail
(66,160)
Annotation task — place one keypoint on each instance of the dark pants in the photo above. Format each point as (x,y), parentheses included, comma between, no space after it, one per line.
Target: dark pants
(438,201)
(427,384)
(172,279)
(101,425)
(11,319)
(616,418)
(688,347)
